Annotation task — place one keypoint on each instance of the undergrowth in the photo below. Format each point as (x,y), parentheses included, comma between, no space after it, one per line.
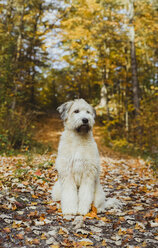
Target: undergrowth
(17,133)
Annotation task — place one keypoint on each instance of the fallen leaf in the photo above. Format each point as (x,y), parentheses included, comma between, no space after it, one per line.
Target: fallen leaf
(43,236)
(16,225)
(91,215)
(38,173)
(137,227)
(94,209)
(34,196)
(105,219)
(144,244)
(51,209)
(121,232)
(121,218)
(35,241)
(28,229)
(129,231)
(19,236)
(86,243)
(66,243)
(14,207)
(33,214)
(6,229)
(33,203)
(103,243)
(62,231)
(42,218)
(25,183)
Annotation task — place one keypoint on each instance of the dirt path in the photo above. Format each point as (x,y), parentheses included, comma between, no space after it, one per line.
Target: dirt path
(49,130)
(29,218)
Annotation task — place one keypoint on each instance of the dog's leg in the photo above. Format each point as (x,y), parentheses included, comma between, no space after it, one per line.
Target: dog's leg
(99,198)
(69,201)
(86,194)
(56,191)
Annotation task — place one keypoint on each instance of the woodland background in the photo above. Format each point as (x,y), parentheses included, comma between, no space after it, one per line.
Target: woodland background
(102,51)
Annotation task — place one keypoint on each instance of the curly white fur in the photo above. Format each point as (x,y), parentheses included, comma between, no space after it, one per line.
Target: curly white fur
(78,162)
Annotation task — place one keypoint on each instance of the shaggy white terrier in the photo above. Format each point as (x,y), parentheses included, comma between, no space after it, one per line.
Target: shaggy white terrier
(78,162)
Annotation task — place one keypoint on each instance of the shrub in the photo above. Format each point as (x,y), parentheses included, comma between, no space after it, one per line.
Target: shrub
(16,130)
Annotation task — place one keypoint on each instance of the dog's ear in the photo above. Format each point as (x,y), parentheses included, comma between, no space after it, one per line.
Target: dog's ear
(64,109)
(94,112)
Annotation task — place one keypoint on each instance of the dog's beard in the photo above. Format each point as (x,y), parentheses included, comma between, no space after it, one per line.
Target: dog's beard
(83,128)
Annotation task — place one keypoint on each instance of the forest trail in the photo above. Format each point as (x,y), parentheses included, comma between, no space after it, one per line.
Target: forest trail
(29,217)
(49,129)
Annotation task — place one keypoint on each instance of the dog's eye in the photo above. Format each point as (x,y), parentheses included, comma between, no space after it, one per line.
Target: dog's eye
(76,111)
(88,112)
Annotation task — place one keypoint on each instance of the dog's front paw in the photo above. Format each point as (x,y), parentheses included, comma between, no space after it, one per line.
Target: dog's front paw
(56,191)
(83,210)
(100,210)
(69,211)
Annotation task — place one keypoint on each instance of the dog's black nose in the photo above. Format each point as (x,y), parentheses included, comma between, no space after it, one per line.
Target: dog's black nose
(85,120)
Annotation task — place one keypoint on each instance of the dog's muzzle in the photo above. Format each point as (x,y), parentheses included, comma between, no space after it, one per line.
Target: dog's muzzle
(84,128)
(85,120)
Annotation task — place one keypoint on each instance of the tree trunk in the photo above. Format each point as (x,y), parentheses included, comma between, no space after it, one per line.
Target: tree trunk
(104,89)
(104,100)
(19,44)
(135,83)
(126,110)
(33,54)
(32,88)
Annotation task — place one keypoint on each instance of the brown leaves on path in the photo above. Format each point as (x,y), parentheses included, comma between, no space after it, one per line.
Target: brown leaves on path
(29,218)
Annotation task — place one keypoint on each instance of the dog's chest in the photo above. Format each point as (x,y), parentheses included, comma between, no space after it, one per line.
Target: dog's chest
(82,163)
(77,175)
(81,155)
(78,167)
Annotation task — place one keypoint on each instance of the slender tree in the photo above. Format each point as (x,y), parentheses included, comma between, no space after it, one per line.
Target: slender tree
(135,82)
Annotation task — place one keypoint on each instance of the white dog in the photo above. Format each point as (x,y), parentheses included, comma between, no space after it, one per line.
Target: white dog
(78,162)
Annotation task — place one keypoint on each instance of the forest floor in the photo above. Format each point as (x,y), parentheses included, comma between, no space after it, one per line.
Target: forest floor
(29,218)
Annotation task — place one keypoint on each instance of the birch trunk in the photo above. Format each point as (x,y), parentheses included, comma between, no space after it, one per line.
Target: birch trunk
(20,10)
(104,89)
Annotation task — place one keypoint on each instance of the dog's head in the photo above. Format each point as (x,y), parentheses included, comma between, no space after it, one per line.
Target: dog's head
(77,115)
